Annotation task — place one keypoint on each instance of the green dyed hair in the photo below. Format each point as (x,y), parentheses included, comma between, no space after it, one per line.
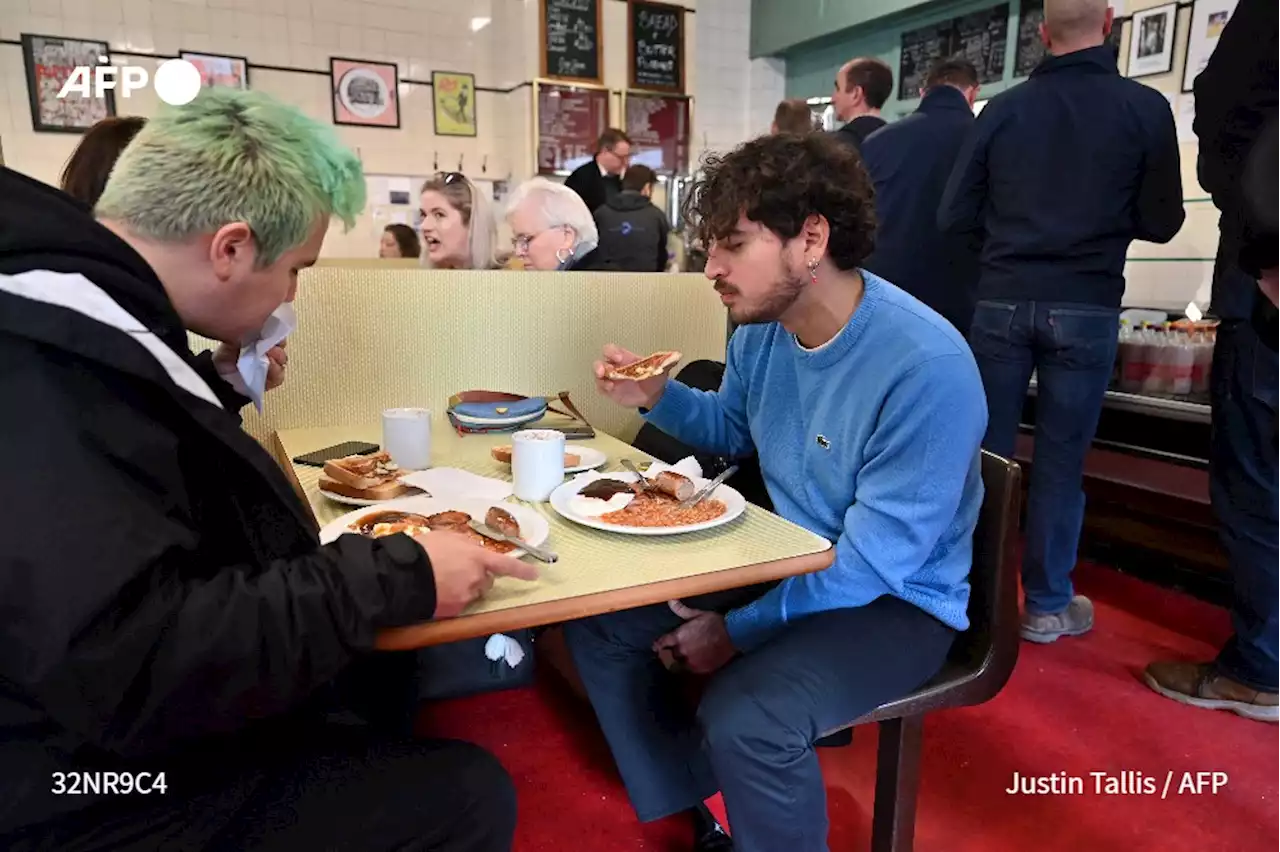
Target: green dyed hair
(234,156)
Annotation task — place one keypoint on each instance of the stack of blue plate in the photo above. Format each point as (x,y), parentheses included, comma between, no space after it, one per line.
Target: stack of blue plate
(498,416)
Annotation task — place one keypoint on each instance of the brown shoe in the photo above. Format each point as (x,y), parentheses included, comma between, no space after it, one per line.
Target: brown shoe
(1200,685)
(1075,620)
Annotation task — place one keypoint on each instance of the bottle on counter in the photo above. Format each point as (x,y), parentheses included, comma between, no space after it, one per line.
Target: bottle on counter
(1181,361)
(1202,347)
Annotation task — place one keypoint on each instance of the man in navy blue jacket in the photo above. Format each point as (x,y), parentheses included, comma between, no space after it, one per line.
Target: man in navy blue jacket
(1061,172)
(910,161)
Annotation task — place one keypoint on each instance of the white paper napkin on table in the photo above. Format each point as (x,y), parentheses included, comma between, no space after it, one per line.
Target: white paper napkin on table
(453,483)
(687,466)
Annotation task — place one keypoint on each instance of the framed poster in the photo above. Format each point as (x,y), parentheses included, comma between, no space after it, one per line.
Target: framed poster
(1208,17)
(454,99)
(1151,42)
(365,94)
(570,31)
(229,71)
(50,62)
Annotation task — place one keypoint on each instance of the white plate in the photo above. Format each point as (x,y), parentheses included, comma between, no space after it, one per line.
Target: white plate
(498,421)
(533,527)
(735,505)
(359,501)
(589,459)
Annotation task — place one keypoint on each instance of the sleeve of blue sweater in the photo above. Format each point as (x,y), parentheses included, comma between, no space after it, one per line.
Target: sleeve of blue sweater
(714,422)
(907,496)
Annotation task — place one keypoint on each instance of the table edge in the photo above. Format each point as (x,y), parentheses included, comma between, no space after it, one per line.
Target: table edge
(599,603)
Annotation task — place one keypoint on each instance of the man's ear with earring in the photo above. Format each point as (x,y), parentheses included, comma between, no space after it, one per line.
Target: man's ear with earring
(813,270)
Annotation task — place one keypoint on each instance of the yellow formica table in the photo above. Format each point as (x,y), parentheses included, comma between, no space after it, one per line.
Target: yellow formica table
(597,571)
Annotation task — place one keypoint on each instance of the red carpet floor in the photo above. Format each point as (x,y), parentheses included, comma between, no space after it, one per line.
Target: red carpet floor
(1076,706)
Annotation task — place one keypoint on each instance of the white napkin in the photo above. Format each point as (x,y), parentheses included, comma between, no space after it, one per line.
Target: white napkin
(687,466)
(453,483)
(503,647)
(253,363)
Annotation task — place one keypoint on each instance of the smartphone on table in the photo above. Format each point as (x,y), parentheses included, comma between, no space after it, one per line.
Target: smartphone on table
(337,451)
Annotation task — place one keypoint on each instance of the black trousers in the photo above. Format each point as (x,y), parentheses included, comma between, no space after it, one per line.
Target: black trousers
(326,778)
(752,736)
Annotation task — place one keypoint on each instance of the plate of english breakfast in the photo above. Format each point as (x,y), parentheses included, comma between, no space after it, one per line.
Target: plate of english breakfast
(365,480)
(621,503)
(576,459)
(424,515)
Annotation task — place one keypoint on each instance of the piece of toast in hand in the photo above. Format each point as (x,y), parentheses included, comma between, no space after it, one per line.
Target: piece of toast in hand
(646,368)
(363,472)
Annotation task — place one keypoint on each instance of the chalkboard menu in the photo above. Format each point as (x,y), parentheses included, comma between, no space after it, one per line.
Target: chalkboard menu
(570,122)
(571,39)
(979,37)
(656,34)
(1030,50)
(659,129)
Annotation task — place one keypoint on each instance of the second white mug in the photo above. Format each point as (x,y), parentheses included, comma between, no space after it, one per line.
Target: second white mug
(537,463)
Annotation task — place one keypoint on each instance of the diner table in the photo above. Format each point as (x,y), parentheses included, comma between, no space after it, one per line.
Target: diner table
(597,571)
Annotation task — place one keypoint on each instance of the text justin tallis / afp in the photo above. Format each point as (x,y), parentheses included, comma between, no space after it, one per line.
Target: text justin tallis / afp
(1128,782)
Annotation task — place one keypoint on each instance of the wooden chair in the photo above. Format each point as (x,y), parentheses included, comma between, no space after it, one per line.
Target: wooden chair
(977,668)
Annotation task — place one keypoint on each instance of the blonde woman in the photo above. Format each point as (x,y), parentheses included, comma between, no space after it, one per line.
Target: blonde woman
(457,224)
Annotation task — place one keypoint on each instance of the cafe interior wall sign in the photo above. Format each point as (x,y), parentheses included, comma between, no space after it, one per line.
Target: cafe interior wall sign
(365,94)
(454,96)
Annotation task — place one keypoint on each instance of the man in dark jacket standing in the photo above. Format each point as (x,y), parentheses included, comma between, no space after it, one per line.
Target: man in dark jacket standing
(1236,98)
(910,161)
(633,232)
(861,88)
(1061,173)
(600,178)
(171,627)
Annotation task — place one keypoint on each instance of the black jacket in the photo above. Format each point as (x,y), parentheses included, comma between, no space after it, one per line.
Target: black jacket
(633,233)
(1063,172)
(594,188)
(910,161)
(1236,96)
(162,589)
(855,132)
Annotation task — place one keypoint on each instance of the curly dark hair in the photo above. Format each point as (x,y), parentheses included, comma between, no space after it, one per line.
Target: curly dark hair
(780,181)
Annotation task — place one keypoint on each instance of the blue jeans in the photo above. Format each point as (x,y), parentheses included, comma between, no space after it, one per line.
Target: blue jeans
(1243,490)
(752,735)
(1072,348)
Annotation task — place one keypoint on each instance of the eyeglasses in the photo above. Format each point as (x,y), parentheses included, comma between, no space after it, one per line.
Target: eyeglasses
(520,242)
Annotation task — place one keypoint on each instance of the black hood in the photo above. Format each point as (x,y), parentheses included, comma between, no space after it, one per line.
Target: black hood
(44,228)
(628,199)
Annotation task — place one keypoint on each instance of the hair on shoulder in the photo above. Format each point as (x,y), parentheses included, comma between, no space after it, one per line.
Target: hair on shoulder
(234,156)
(780,181)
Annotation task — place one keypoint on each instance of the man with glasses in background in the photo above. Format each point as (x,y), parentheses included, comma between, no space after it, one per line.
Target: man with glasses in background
(600,178)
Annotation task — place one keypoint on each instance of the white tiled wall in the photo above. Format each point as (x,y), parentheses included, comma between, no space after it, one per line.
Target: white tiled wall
(735,95)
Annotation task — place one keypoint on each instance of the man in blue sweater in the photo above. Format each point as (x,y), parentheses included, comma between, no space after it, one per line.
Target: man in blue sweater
(868,412)
(1060,174)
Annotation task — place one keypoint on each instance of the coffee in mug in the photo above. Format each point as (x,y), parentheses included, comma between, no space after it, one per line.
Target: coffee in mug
(537,463)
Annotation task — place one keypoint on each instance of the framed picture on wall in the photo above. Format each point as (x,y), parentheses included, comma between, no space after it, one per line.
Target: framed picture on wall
(1208,17)
(215,70)
(365,94)
(50,61)
(454,99)
(1151,41)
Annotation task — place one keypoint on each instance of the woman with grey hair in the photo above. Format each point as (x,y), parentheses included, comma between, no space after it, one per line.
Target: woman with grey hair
(552,227)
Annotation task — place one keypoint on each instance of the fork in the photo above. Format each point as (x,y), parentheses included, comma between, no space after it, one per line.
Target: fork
(706,490)
(642,481)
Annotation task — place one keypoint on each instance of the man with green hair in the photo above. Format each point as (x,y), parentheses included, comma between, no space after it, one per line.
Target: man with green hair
(174,641)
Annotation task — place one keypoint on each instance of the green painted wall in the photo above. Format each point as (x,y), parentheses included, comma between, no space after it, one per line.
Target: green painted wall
(778,26)
(811,68)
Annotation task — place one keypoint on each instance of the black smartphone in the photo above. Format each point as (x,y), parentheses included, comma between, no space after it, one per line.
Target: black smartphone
(337,451)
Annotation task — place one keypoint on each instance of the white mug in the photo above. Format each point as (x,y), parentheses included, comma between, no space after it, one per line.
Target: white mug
(537,463)
(406,435)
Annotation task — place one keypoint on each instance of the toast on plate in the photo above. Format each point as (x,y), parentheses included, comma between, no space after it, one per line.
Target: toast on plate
(503,454)
(385,491)
(646,368)
(371,477)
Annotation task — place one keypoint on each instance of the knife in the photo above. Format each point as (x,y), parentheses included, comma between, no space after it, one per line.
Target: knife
(711,486)
(541,554)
